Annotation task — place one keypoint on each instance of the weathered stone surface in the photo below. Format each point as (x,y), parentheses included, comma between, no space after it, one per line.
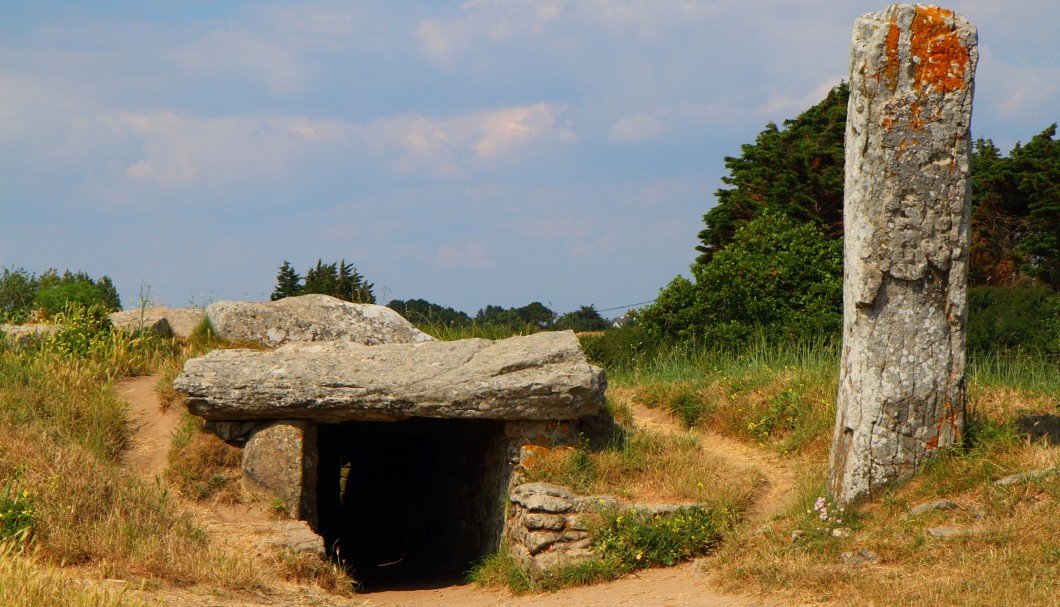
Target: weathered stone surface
(295,536)
(164,321)
(932,507)
(280,462)
(540,376)
(233,432)
(21,334)
(311,318)
(902,378)
(527,489)
(538,520)
(945,533)
(1013,479)
(862,556)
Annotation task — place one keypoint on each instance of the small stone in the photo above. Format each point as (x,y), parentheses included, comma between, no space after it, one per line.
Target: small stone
(859,557)
(573,536)
(295,536)
(841,532)
(551,522)
(547,503)
(1012,479)
(797,535)
(932,507)
(536,541)
(943,533)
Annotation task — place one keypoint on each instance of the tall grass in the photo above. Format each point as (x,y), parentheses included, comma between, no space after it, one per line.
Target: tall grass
(27,582)
(62,430)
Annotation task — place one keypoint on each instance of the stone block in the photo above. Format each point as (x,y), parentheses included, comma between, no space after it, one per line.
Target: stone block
(280,463)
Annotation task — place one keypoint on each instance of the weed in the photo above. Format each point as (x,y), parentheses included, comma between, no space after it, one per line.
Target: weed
(17,518)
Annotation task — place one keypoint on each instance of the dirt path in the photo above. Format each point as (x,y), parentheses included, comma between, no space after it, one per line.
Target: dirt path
(682,586)
(151,429)
(777,490)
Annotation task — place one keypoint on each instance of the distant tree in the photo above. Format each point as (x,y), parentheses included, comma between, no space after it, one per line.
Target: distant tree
(779,275)
(337,279)
(420,311)
(585,318)
(1038,167)
(288,282)
(535,314)
(352,286)
(1016,213)
(23,293)
(796,170)
(18,291)
(322,279)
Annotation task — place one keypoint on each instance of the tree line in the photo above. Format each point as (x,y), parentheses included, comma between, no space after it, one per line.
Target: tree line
(770,255)
(24,296)
(343,281)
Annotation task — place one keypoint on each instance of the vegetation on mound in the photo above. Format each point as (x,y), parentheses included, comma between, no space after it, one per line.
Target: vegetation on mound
(64,498)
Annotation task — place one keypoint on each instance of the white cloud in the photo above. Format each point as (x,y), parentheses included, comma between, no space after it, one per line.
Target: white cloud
(638,127)
(510,127)
(248,54)
(463,255)
(442,41)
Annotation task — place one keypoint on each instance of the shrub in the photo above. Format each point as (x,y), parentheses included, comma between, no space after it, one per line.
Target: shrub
(638,540)
(1002,318)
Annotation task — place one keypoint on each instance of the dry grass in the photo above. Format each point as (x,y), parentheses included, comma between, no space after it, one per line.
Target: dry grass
(201,465)
(649,467)
(25,581)
(1009,554)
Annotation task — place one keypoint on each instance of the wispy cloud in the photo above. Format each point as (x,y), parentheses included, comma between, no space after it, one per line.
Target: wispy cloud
(463,255)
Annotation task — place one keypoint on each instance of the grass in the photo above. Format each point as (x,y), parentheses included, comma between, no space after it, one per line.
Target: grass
(781,401)
(64,496)
(26,581)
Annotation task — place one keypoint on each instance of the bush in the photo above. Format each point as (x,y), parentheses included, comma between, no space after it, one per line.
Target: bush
(779,276)
(618,349)
(638,540)
(1002,318)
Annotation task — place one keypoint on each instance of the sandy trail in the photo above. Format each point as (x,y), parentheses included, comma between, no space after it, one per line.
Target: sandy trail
(240,526)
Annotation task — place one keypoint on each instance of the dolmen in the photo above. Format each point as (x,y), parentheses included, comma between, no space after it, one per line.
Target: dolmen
(345,379)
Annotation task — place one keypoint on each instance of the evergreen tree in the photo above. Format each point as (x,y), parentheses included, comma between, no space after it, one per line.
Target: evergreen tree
(288,282)
(1038,167)
(338,279)
(796,171)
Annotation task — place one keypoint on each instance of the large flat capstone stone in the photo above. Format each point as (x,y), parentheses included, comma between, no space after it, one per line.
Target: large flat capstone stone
(544,376)
(310,318)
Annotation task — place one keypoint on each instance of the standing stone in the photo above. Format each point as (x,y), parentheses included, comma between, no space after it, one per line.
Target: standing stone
(902,377)
(280,463)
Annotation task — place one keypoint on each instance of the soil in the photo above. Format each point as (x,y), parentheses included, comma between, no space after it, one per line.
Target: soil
(243,526)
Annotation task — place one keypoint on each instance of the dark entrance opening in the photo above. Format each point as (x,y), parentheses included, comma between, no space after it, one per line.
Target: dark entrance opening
(411,502)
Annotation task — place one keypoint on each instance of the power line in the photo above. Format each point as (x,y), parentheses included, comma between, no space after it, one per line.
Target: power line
(628,306)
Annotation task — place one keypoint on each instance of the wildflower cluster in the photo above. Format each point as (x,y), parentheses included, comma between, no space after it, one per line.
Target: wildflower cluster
(827,515)
(639,539)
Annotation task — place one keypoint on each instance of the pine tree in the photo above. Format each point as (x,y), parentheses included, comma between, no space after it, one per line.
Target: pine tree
(288,282)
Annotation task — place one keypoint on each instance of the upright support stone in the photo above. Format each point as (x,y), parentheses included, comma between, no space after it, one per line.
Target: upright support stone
(902,379)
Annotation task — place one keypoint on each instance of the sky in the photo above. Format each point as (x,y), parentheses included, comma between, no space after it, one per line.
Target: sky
(487,152)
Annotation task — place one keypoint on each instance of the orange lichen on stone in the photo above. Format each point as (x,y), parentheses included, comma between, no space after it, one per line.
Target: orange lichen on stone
(891,47)
(943,59)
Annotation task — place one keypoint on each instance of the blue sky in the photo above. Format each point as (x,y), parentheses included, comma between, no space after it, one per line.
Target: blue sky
(474,153)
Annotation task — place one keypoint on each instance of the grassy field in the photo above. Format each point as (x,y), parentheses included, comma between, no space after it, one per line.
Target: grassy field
(1005,542)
